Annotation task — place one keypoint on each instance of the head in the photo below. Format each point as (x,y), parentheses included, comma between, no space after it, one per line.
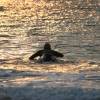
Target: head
(47,46)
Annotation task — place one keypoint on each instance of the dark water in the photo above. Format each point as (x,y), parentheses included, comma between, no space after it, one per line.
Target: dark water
(71,27)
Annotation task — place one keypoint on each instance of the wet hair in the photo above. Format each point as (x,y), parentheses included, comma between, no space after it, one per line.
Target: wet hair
(47,46)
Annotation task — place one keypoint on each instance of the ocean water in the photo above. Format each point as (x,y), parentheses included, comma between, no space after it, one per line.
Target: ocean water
(72,27)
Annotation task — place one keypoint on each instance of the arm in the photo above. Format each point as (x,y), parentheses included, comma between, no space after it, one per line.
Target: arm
(57,54)
(38,53)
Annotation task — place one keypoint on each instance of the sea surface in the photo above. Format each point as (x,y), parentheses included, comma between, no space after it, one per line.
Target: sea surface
(72,27)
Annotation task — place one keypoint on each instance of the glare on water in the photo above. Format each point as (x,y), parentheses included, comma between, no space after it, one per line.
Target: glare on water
(70,27)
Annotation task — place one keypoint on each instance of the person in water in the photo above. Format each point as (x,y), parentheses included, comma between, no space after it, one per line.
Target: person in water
(47,54)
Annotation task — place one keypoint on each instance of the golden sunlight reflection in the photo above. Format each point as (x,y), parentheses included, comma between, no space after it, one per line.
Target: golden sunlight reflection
(49,74)
(5,1)
(22,81)
(57,68)
(23,2)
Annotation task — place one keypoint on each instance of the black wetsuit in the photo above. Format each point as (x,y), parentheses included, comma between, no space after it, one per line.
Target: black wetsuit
(47,54)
